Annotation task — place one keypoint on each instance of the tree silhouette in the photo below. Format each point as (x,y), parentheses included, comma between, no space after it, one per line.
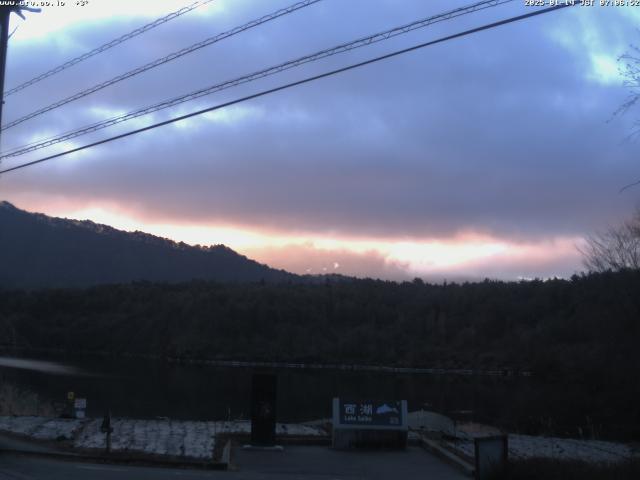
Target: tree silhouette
(617,248)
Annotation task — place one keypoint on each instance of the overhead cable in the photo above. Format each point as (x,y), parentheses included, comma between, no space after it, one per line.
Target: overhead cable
(162,61)
(360,42)
(293,84)
(107,46)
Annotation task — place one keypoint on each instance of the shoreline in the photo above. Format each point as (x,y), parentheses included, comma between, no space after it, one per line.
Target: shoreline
(279,365)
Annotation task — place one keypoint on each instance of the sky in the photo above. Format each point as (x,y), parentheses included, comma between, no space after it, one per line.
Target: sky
(492,155)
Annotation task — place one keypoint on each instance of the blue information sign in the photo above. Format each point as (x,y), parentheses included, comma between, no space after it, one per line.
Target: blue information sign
(371,412)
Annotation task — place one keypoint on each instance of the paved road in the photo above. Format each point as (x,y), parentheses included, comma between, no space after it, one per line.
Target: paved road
(309,463)
(324,463)
(25,468)
(13,442)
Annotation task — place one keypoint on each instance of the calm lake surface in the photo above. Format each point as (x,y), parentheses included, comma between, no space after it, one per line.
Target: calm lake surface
(138,388)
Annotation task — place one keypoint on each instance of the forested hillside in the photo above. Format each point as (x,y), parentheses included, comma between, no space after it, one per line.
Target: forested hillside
(578,336)
(41,251)
(589,324)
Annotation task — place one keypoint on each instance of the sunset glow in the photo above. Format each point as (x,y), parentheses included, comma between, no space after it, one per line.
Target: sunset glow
(426,257)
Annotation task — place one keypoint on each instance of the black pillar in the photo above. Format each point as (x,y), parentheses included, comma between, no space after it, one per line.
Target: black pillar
(263,409)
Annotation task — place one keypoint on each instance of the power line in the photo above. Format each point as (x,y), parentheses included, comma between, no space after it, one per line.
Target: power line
(361,42)
(294,84)
(163,60)
(108,45)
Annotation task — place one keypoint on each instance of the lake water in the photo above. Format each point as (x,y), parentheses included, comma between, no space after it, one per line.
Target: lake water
(133,387)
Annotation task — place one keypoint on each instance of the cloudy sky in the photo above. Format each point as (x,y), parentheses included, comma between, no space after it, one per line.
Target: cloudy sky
(491,155)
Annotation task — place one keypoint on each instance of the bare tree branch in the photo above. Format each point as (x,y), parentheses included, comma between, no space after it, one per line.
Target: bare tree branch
(618,248)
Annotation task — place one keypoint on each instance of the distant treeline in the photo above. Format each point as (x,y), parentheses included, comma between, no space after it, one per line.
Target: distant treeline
(581,334)
(585,325)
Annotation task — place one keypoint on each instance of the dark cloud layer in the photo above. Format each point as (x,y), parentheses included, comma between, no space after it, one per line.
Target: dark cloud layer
(504,132)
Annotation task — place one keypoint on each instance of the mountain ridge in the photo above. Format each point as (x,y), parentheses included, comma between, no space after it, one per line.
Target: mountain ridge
(40,251)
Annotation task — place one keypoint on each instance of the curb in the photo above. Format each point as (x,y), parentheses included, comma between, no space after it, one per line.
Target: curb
(118,459)
(449,457)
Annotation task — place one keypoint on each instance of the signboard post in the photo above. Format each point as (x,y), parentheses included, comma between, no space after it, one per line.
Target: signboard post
(107,429)
(68,411)
(369,423)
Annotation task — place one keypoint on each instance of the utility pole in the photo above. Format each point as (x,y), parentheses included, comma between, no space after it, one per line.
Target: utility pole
(5,13)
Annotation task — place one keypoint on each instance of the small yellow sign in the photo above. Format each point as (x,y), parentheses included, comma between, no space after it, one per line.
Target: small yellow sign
(71,395)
